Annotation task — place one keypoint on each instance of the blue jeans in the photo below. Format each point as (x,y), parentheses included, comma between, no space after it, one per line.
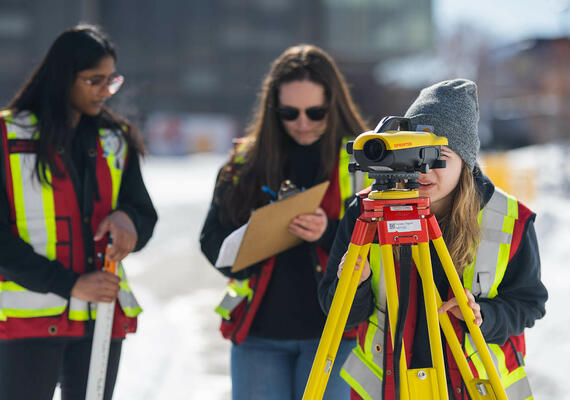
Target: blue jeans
(268,369)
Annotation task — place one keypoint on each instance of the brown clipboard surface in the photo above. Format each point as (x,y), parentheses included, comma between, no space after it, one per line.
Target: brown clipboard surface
(267,234)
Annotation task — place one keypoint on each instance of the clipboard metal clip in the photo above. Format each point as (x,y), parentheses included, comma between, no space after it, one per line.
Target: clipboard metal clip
(287,189)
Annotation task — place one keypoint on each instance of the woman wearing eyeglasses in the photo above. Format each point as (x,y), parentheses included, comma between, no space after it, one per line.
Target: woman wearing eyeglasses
(70,180)
(302,121)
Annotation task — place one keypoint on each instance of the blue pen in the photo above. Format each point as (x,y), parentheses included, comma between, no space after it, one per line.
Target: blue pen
(268,190)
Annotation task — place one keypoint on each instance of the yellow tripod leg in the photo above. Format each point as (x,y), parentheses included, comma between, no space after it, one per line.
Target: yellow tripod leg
(425,269)
(392,300)
(336,321)
(468,315)
(449,333)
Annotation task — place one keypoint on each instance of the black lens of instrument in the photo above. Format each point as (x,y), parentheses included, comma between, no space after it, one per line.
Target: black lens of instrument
(374,149)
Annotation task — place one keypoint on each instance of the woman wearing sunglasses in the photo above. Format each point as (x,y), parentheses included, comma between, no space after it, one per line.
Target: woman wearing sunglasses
(70,181)
(302,121)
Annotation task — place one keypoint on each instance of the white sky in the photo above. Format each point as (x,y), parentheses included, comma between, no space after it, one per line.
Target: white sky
(507,19)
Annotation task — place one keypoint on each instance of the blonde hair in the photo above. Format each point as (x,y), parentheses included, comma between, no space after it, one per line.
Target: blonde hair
(460,227)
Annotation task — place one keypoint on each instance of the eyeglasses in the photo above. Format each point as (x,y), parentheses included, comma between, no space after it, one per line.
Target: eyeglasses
(291,113)
(113,84)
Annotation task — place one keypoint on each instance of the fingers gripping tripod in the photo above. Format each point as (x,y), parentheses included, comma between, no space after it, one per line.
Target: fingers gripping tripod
(402,218)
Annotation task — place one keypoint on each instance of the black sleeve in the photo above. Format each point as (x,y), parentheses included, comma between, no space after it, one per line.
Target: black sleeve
(21,264)
(521,295)
(135,201)
(363,305)
(213,235)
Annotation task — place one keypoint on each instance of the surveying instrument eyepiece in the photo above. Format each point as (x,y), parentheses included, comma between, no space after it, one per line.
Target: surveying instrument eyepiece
(396,216)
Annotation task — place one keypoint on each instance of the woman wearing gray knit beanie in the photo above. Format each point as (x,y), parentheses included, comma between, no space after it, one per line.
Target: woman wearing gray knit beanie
(491,238)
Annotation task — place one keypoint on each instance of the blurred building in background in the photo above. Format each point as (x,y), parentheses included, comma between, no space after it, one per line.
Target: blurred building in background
(193,64)
(526,92)
(193,68)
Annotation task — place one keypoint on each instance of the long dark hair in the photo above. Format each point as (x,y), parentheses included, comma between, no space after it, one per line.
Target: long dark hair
(264,157)
(46,93)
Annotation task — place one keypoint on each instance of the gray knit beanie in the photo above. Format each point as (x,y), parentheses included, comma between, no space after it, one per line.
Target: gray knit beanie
(450,109)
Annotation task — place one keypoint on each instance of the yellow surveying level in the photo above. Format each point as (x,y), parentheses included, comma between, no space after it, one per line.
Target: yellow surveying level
(400,217)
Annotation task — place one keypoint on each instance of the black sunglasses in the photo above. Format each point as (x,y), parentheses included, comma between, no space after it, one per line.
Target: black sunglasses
(291,113)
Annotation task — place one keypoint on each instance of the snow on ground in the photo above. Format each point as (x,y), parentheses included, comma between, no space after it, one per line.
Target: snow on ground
(178,352)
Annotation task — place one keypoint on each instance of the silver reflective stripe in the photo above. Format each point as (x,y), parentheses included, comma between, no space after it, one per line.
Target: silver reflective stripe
(519,390)
(361,377)
(498,202)
(495,235)
(492,236)
(127,300)
(230,302)
(485,267)
(76,304)
(27,300)
(33,205)
(31,188)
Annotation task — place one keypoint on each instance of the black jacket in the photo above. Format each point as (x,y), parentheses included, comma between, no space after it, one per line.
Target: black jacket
(19,262)
(290,307)
(521,297)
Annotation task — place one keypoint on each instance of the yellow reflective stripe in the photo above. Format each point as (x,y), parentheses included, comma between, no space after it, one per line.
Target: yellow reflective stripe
(7,115)
(500,355)
(512,206)
(21,222)
(81,315)
(344,178)
(132,312)
(43,312)
(240,288)
(353,383)
(115,179)
(502,261)
(49,216)
(469,271)
(513,377)
(10,286)
(509,224)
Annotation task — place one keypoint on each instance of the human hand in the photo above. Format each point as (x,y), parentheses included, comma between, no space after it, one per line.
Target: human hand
(96,286)
(452,306)
(365,268)
(309,227)
(122,231)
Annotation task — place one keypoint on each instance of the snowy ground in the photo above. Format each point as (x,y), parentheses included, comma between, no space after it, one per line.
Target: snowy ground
(178,352)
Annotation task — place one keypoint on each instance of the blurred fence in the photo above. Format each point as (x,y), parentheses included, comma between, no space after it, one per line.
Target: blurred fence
(515,179)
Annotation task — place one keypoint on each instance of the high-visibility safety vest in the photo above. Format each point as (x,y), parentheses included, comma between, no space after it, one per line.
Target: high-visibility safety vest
(241,298)
(48,217)
(370,363)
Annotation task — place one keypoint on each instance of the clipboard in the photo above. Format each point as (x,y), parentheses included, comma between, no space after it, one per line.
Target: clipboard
(267,234)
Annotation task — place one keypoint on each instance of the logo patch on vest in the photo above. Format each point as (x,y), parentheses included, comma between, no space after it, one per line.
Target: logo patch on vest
(22,146)
(113,145)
